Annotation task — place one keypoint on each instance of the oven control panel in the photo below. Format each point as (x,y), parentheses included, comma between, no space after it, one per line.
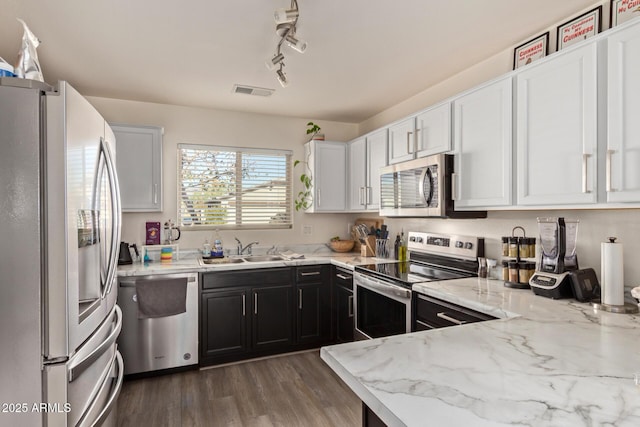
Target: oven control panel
(446,244)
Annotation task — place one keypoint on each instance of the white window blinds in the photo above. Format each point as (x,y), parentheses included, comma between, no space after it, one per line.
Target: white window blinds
(230,187)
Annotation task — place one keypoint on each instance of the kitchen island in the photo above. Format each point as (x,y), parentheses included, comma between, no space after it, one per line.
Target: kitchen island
(542,363)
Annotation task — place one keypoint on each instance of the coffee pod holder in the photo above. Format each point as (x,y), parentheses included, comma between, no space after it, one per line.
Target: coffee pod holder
(516,249)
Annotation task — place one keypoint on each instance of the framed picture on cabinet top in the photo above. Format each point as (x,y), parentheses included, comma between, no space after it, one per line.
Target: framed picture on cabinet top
(580,28)
(624,10)
(532,50)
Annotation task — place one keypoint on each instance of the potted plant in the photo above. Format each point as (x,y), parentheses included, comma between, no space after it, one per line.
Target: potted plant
(304,199)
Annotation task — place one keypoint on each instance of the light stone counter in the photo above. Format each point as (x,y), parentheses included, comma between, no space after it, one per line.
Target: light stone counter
(189,262)
(543,363)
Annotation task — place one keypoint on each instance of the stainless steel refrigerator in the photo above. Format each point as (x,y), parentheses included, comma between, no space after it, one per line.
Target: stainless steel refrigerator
(59,241)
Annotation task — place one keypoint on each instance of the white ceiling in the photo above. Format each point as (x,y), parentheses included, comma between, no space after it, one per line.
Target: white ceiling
(363,56)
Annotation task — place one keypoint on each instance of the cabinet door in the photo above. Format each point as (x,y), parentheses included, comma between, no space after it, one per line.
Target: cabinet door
(139,166)
(623,110)
(483,173)
(376,159)
(344,314)
(224,323)
(433,131)
(311,314)
(401,141)
(357,174)
(557,129)
(330,176)
(272,325)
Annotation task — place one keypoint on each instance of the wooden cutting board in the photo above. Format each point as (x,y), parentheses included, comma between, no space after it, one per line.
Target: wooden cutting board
(369,222)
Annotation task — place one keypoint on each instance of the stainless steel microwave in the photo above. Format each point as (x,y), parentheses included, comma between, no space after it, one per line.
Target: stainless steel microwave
(420,188)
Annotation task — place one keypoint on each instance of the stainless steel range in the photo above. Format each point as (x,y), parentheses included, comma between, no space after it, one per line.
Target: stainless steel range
(382,302)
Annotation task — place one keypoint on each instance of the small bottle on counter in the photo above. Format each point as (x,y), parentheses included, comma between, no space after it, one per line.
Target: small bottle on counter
(513,271)
(505,270)
(524,247)
(217,249)
(396,247)
(505,246)
(513,247)
(402,248)
(206,248)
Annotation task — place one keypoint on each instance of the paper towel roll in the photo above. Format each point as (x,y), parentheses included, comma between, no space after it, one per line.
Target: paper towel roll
(612,274)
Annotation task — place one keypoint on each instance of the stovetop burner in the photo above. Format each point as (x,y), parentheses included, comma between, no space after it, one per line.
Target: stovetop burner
(432,257)
(407,273)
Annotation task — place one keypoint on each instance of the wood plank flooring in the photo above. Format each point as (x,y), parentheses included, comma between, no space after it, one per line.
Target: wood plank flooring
(289,390)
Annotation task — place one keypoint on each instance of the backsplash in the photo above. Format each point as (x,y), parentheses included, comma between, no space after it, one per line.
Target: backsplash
(595,227)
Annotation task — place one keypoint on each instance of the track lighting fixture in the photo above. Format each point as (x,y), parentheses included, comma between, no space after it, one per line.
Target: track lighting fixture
(273,63)
(286,21)
(282,77)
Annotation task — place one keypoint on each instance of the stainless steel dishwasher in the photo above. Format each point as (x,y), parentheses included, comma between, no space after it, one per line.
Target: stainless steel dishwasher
(151,344)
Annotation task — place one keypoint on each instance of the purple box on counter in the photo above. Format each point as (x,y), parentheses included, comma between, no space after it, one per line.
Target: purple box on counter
(153,233)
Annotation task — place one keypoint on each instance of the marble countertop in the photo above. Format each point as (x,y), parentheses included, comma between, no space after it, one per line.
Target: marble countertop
(189,262)
(542,363)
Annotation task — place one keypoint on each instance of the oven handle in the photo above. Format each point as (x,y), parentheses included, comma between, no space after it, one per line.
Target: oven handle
(382,287)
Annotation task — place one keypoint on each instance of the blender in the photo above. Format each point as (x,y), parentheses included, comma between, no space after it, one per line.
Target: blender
(558,238)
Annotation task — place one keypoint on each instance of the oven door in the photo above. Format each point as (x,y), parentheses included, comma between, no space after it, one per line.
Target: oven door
(381,308)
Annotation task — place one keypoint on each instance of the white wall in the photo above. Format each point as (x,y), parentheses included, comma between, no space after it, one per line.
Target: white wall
(205,126)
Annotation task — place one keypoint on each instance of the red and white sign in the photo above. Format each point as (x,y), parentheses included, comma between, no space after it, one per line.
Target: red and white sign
(624,10)
(579,29)
(530,51)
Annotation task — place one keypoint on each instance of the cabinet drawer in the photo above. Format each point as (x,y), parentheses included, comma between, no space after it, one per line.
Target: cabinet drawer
(434,313)
(343,278)
(226,279)
(311,273)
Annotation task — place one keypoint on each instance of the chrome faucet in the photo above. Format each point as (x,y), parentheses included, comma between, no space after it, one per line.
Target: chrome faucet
(246,248)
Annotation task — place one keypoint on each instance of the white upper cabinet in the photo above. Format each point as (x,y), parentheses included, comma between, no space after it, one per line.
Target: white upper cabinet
(328,164)
(139,166)
(376,159)
(556,137)
(622,170)
(357,173)
(401,140)
(433,131)
(424,134)
(483,145)
(366,156)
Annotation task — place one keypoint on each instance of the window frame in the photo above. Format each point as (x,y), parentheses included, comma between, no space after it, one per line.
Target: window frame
(242,150)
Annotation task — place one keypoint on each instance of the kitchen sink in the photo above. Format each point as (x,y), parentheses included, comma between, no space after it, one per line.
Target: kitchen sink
(263,258)
(213,261)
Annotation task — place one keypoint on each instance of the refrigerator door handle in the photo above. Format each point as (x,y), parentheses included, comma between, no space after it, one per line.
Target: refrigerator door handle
(113,397)
(116,217)
(77,367)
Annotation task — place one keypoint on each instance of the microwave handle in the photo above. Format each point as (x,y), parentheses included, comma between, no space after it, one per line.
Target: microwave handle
(454,186)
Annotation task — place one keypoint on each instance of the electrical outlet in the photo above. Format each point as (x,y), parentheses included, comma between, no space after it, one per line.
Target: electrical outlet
(307,230)
(349,225)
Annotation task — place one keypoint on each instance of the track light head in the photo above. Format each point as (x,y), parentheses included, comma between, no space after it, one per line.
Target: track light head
(274,62)
(285,15)
(282,78)
(296,44)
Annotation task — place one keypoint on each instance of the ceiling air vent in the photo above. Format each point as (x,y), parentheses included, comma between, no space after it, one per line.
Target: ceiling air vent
(252,90)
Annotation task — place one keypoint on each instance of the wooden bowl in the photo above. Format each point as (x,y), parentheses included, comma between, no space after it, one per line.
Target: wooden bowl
(341,245)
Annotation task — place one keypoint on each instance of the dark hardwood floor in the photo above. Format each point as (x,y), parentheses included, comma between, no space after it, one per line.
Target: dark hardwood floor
(290,390)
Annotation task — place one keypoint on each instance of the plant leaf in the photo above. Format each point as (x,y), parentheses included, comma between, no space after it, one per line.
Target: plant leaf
(295,163)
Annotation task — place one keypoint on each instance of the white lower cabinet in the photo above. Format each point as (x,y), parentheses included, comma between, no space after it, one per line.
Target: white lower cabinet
(483,147)
(556,138)
(622,169)
(328,164)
